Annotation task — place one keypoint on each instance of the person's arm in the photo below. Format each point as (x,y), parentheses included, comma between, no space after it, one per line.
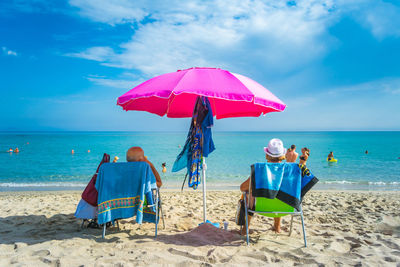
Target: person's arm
(244,187)
(156,174)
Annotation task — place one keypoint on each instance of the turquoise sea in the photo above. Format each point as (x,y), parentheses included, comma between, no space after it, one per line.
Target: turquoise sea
(45,161)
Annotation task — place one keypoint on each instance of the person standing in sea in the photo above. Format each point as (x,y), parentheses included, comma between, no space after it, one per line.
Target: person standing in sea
(291,154)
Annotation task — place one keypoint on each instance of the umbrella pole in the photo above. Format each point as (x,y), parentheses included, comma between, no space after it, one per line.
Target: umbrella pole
(204,191)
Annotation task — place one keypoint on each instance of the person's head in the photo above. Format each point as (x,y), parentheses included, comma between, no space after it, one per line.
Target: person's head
(305,150)
(275,152)
(135,154)
(292,147)
(164,164)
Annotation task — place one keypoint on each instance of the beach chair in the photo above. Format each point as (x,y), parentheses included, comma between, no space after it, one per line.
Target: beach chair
(272,208)
(158,209)
(125,190)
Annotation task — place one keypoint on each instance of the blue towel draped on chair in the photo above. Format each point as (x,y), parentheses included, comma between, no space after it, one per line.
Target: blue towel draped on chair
(288,182)
(122,190)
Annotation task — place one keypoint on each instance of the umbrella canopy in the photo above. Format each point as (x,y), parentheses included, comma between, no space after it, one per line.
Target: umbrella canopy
(174,94)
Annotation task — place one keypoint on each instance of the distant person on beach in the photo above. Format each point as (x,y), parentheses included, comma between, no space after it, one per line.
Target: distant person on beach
(137,154)
(305,153)
(164,167)
(291,154)
(115,159)
(330,156)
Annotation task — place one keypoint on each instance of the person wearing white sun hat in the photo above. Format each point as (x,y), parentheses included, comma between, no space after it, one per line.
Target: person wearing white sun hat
(274,153)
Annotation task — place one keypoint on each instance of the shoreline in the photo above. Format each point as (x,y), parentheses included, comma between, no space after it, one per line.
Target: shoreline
(214,187)
(199,191)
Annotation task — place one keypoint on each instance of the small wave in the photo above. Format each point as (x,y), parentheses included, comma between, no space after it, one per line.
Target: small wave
(361,182)
(42,185)
(339,182)
(384,183)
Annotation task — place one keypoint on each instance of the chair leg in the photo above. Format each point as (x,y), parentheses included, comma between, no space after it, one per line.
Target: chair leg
(304,229)
(162,217)
(291,226)
(161,210)
(247,218)
(83,223)
(157,213)
(104,230)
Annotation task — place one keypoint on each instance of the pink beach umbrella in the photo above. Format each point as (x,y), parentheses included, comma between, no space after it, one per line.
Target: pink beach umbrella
(174,94)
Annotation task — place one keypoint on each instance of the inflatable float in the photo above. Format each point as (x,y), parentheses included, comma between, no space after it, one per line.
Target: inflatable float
(332,160)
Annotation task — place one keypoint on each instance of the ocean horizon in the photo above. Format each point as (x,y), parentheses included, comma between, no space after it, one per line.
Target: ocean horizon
(45,161)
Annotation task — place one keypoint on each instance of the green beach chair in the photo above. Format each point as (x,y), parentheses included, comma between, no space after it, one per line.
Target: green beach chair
(273,208)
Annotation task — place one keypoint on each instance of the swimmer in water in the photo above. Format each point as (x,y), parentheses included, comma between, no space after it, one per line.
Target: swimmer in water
(115,159)
(366,151)
(10,150)
(164,167)
(330,156)
(88,151)
(72,151)
(16,150)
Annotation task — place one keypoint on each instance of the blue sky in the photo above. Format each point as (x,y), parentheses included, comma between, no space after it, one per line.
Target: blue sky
(336,64)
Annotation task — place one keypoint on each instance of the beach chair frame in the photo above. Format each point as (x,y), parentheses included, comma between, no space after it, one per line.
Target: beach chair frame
(157,205)
(300,212)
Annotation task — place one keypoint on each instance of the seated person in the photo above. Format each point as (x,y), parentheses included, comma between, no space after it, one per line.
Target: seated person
(274,153)
(137,154)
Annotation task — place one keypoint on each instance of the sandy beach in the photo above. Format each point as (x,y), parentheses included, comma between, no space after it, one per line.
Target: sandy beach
(343,228)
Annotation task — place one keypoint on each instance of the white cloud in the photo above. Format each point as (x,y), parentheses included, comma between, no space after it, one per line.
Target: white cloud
(8,52)
(113,83)
(110,11)
(225,34)
(380,17)
(383,20)
(97,53)
(384,85)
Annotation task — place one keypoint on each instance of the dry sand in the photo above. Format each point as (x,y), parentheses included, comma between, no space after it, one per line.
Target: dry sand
(343,228)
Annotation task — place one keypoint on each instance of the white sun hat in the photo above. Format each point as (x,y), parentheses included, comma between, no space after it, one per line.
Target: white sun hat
(275,148)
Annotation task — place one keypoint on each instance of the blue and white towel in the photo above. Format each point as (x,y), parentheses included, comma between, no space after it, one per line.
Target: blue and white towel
(122,190)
